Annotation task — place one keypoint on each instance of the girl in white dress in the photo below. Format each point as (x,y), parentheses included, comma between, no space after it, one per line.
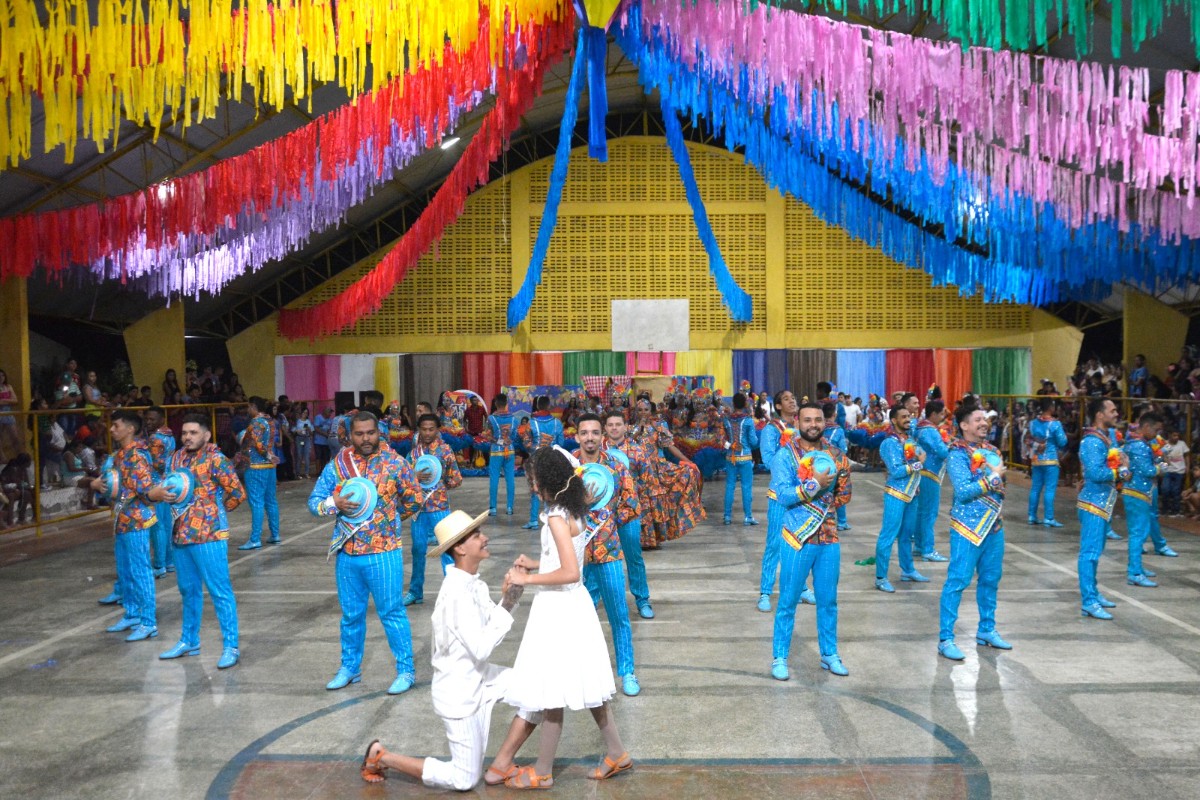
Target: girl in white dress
(563,660)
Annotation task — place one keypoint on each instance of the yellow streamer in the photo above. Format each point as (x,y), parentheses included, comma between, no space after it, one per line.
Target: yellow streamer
(136,59)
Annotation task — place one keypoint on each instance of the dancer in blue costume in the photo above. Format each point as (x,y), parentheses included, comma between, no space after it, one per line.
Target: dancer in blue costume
(1049,440)
(545,430)
(741,437)
(904,463)
(929,437)
(1105,466)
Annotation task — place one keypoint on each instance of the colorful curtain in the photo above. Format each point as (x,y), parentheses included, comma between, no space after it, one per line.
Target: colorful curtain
(718,363)
(591,362)
(862,372)
(1001,370)
(767,370)
(424,376)
(909,371)
(807,368)
(313,378)
(535,369)
(653,363)
(484,374)
(952,372)
(387,378)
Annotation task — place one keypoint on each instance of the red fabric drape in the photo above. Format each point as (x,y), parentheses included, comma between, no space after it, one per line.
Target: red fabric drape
(547,369)
(485,373)
(312,377)
(639,362)
(520,369)
(953,371)
(909,371)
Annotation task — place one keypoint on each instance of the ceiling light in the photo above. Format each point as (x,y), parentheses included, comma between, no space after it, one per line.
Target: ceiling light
(448,143)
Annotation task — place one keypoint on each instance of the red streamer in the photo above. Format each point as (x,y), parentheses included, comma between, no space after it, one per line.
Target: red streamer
(516,91)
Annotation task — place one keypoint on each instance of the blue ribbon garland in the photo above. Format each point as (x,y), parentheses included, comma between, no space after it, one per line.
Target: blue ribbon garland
(739,303)
(595,42)
(522,301)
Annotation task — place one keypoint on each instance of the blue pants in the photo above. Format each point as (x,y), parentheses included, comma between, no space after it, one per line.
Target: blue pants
(136,577)
(1091,546)
(739,472)
(200,567)
(1045,479)
(260,489)
(380,576)
(607,582)
(1140,521)
(841,516)
(631,545)
(1171,487)
(825,562)
(967,560)
(422,534)
(495,464)
(535,509)
(770,559)
(928,500)
(1156,536)
(899,525)
(164,552)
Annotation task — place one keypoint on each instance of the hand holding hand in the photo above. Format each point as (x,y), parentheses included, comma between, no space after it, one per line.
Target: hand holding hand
(525,562)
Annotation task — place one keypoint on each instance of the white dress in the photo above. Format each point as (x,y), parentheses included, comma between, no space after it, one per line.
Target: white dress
(563,660)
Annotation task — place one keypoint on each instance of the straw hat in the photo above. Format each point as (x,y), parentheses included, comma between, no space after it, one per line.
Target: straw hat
(453,529)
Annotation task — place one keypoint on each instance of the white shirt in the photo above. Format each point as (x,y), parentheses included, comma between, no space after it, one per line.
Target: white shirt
(853,412)
(1174,455)
(467,626)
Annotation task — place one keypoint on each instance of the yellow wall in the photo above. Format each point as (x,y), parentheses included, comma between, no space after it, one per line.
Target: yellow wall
(1055,349)
(626,231)
(155,345)
(1153,329)
(252,355)
(14,338)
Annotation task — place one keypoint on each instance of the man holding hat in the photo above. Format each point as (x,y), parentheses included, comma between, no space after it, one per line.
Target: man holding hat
(436,506)
(201,535)
(370,555)
(467,628)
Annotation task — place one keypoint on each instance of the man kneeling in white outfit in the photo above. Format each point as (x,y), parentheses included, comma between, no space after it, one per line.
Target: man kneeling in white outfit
(467,627)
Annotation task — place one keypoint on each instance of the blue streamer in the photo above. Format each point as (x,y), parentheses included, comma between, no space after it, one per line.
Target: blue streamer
(522,301)
(739,303)
(595,42)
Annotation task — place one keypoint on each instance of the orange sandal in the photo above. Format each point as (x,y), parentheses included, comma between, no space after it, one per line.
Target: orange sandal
(371,770)
(532,779)
(500,777)
(609,768)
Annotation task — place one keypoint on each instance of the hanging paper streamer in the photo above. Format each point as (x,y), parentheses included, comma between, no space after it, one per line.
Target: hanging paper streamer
(363,297)
(595,43)
(522,301)
(739,303)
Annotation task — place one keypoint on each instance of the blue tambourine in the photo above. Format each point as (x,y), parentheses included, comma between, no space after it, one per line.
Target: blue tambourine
(598,481)
(110,484)
(993,458)
(822,462)
(431,464)
(182,484)
(363,493)
(619,455)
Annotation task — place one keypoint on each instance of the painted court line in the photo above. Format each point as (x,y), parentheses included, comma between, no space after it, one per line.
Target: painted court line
(96,622)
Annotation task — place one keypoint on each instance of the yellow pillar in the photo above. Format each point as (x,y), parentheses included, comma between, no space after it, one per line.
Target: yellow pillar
(776,267)
(1153,329)
(252,354)
(14,339)
(1055,348)
(155,345)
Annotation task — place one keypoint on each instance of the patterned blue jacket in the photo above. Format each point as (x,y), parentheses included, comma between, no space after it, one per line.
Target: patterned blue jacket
(1051,434)
(904,476)
(978,496)
(1143,468)
(742,437)
(1100,481)
(930,439)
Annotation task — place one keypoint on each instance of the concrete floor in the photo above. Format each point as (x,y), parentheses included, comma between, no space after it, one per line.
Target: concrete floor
(1080,709)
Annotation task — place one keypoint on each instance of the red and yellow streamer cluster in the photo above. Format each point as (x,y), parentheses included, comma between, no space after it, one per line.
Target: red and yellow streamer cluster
(154,61)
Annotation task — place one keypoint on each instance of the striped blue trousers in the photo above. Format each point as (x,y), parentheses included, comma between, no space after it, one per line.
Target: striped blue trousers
(535,509)
(206,566)
(770,559)
(928,500)
(260,491)
(1045,484)
(1092,530)
(631,546)
(136,576)
(164,553)
(824,560)
(422,534)
(739,472)
(379,577)
(496,463)
(607,582)
(966,559)
(899,527)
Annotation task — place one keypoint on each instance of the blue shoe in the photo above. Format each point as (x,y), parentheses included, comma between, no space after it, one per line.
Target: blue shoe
(529,526)
(1106,603)
(834,664)
(749,521)
(274,540)
(630,685)
(1095,611)
(401,685)
(992,639)
(142,632)
(1168,552)
(509,512)
(180,650)
(110,599)
(914,577)
(491,512)
(807,596)
(158,573)
(170,568)
(842,527)
(1149,573)
(1111,534)
(882,585)
(948,649)
(229,657)
(934,556)
(728,521)
(123,624)
(764,603)
(411,599)
(251,546)
(1140,580)
(1052,523)
(343,679)
(779,669)
(645,611)
(1033,521)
